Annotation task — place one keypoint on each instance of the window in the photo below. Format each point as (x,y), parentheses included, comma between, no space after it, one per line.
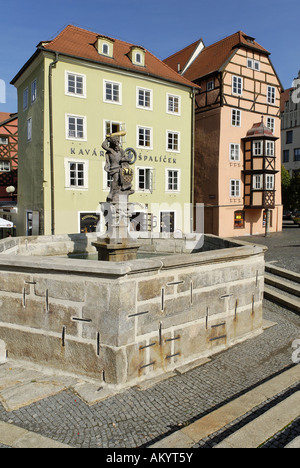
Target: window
(25,99)
(235,188)
(239,219)
(144,178)
(112,92)
(172,180)
(144,98)
(271,124)
(210,85)
(138,57)
(257,182)
(297,154)
(236,117)
(4,166)
(76,174)
(289,137)
(75,85)
(3,140)
(105,49)
(167,221)
(271,94)
(258,148)
(173,141)
(144,137)
(286,156)
(234,153)
(237,85)
(253,64)
(76,127)
(173,104)
(33,91)
(114,127)
(269,182)
(29,129)
(270,148)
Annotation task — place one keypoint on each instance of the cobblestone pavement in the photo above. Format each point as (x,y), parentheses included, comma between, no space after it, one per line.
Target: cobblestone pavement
(137,418)
(283,247)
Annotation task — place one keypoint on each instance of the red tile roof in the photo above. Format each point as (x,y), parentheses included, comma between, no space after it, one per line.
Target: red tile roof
(213,57)
(4,116)
(80,43)
(285,97)
(182,57)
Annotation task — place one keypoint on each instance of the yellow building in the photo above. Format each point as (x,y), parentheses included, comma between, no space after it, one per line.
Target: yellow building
(72,92)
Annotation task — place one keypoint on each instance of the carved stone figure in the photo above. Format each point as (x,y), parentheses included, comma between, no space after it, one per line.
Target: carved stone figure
(117,164)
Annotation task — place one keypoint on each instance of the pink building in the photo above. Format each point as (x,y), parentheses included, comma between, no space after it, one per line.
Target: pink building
(237,134)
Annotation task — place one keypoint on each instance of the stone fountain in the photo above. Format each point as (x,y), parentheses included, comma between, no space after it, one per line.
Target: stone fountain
(115,245)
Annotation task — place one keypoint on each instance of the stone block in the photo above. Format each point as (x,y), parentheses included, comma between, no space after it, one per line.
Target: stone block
(192,341)
(14,282)
(60,287)
(2,352)
(152,288)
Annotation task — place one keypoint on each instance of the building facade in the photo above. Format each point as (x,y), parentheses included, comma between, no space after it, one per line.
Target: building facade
(72,92)
(290,129)
(238,86)
(8,168)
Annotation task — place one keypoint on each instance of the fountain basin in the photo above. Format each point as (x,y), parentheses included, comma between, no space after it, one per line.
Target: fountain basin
(125,322)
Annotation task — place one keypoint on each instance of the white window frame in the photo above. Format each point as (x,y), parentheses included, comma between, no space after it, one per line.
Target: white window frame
(76,76)
(3,140)
(25,98)
(172,97)
(112,83)
(237,119)
(172,134)
(270,148)
(114,122)
(237,85)
(269,181)
(29,129)
(235,188)
(253,64)
(150,129)
(257,182)
(234,152)
(271,124)
(271,95)
(105,179)
(33,91)
(67,163)
(76,117)
(168,170)
(148,176)
(210,85)
(105,45)
(4,166)
(175,219)
(258,148)
(144,90)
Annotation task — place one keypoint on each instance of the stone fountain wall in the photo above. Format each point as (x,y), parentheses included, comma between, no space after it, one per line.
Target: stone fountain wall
(126,322)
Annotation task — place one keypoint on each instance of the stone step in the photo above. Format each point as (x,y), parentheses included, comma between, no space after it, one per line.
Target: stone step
(280,283)
(282,272)
(261,429)
(289,302)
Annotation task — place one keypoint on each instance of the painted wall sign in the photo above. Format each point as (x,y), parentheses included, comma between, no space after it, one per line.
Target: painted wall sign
(140,157)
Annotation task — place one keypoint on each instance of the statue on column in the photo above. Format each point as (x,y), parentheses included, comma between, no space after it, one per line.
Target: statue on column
(117,165)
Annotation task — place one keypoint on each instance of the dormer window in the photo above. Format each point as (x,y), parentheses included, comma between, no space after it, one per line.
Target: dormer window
(137,56)
(105,46)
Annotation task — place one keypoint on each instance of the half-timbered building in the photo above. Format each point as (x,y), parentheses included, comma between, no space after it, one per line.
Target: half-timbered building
(237,171)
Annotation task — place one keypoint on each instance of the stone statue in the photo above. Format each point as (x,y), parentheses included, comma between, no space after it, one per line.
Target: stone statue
(117,164)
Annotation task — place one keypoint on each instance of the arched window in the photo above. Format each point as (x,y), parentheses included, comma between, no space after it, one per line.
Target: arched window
(105,49)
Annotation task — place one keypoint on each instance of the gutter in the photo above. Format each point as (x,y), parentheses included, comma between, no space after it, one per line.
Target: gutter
(51,66)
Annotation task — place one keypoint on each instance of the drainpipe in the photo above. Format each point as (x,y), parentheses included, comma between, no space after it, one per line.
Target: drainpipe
(192,196)
(51,66)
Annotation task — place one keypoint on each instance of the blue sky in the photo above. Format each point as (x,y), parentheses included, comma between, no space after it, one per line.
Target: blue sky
(161,26)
